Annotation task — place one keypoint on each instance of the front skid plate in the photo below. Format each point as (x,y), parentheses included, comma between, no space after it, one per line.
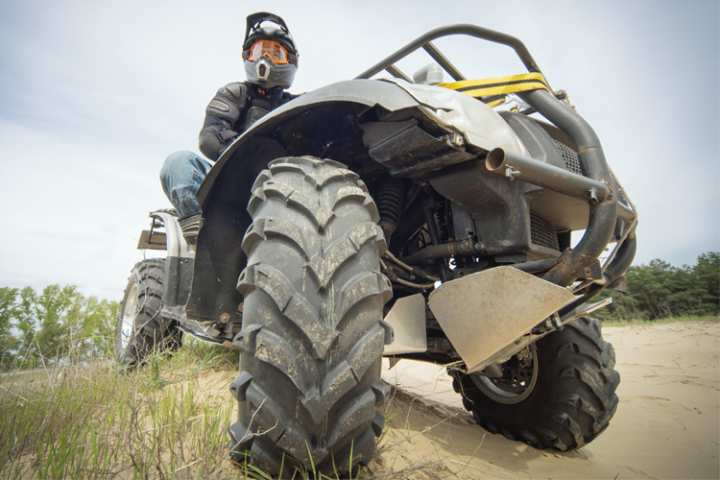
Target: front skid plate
(485,312)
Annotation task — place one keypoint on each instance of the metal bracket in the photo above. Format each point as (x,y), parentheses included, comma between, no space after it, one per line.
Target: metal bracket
(176,244)
(407,318)
(511,172)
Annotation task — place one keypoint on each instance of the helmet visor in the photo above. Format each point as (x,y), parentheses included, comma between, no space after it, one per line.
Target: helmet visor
(269,49)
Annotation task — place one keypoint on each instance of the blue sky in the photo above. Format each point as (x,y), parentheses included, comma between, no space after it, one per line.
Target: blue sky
(94,95)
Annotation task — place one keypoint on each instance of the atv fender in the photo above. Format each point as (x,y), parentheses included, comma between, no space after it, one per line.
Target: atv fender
(224,195)
(478,124)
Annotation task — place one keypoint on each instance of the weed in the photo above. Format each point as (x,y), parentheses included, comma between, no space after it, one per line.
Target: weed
(89,420)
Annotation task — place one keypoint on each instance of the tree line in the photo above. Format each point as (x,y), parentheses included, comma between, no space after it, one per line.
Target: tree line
(48,327)
(52,326)
(660,290)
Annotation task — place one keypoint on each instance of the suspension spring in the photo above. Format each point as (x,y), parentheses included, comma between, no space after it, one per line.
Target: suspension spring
(390,198)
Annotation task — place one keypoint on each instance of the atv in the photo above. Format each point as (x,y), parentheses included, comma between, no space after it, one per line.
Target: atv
(453,199)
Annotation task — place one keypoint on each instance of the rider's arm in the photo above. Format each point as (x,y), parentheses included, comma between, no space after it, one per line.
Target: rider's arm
(222,117)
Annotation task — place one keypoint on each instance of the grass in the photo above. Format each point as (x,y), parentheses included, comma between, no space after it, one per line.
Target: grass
(95,422)
(659,321)
(168,420)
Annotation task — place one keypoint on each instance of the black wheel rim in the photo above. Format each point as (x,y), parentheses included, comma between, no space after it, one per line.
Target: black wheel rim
(520,375)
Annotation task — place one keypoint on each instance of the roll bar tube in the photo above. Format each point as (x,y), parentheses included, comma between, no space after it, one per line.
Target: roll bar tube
(176,244)
(425,42)
(603,215)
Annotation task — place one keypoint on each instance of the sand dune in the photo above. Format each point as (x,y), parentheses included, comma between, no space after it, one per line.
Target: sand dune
(666,426)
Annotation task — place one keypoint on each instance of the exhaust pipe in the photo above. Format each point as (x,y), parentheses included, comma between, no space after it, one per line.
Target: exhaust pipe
(545,175)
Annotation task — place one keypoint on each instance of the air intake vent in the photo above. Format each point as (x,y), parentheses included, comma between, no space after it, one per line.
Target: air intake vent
(570,157)
(542,232)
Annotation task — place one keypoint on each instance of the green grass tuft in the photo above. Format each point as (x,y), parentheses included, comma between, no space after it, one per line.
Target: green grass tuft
(93,421)
(166,420)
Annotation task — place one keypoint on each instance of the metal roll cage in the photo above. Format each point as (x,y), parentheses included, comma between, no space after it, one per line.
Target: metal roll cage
(425,42)
(605,211)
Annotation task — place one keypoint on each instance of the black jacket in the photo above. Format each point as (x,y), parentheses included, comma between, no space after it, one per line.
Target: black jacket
(233,109)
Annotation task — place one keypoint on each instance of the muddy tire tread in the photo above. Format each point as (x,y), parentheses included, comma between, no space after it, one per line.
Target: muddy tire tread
(305,391)
(156,333)
(573,401)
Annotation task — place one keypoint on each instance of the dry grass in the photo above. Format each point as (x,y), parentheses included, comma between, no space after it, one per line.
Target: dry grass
(92,421)
(168,420)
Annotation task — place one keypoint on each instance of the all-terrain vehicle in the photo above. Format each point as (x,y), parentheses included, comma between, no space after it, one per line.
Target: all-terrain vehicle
(433,194)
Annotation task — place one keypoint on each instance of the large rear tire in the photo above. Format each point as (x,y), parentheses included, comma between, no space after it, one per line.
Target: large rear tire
(141,329)
(569,395)
(309,390)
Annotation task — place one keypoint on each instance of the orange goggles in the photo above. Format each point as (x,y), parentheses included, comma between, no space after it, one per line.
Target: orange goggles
(269,49)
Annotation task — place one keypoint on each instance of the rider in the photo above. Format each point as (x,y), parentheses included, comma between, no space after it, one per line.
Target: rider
(271,61)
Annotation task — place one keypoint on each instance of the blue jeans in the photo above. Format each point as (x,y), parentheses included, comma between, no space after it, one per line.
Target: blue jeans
(181,176)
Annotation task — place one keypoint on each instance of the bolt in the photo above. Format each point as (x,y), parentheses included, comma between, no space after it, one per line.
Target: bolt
(511,172)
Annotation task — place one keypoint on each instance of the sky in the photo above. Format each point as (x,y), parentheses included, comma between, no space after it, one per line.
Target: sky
(94,96)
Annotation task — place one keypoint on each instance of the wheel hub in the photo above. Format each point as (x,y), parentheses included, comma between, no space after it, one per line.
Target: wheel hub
(518,381)
(129,314)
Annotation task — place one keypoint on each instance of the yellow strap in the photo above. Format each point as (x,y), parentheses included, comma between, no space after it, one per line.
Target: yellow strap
(491,87)
(495,103)
(463,84)
(505,89)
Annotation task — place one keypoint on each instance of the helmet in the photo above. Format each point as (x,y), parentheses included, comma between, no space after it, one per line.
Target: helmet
(269,51)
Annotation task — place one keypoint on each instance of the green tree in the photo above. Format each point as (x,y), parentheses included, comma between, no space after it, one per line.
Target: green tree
(8,314)
(707,274)
(659,289)
(27,326)
(57,311)
(53,326)
(99,326)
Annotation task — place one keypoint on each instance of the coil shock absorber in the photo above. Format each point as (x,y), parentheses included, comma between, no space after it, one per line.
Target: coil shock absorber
(390,199)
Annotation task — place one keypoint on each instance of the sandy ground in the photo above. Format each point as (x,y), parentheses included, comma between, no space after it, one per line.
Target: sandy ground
(666,426)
